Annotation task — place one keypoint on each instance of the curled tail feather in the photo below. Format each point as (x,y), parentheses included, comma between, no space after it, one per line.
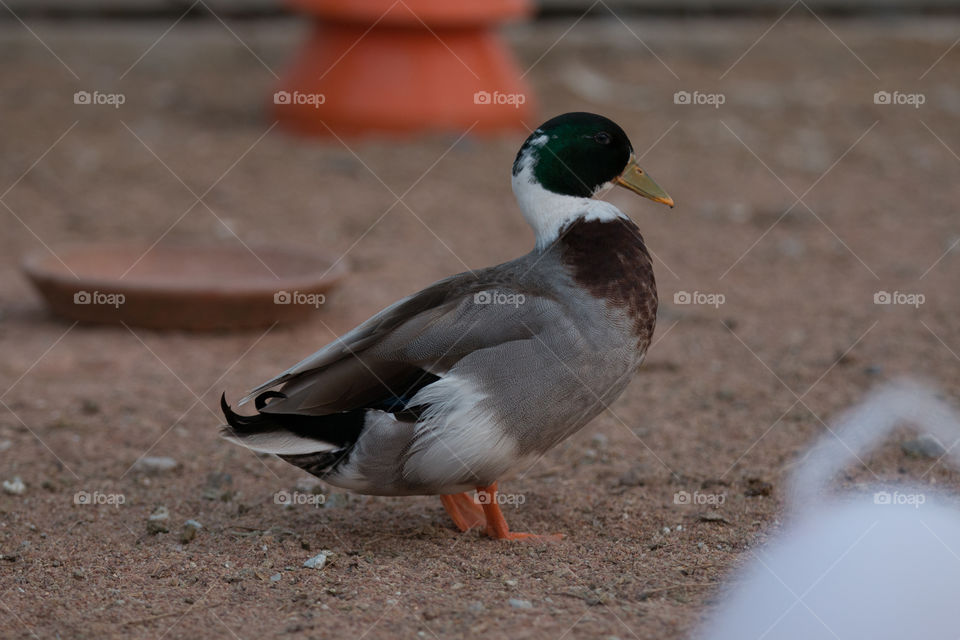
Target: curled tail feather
(290,433)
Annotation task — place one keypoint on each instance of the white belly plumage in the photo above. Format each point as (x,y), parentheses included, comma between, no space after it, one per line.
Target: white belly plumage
(454,446)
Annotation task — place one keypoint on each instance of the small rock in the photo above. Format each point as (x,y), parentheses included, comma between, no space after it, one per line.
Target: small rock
(89,407)
(318,561)
(713,516)
(792,247)
(475,607)
(709,483)
(189,532)
(739,212)
(219,487)
(157,521)
(757,487)
(275,577)
(520,604)
(14,487)
(925,446)
(156,464)
(635,477)
(78,574)
(5,444)
(727,395)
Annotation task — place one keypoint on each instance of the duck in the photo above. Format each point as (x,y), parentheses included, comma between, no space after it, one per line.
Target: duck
(482,373)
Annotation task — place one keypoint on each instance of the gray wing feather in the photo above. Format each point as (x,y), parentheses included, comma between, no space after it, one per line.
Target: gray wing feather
(430,330)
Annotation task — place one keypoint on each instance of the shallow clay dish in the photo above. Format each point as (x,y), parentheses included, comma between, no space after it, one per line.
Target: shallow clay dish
(192,287)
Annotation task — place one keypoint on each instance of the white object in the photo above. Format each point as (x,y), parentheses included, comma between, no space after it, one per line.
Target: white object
(14,487)
(884,563)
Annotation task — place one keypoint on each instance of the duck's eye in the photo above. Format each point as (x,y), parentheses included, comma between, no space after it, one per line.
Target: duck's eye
(603,137)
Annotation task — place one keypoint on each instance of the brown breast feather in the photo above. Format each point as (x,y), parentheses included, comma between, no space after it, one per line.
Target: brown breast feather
(610,260)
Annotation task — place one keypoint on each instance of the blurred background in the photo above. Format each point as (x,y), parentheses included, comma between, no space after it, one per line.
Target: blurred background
(811,147)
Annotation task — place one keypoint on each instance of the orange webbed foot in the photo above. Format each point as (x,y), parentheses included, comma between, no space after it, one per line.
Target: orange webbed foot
(497,525)
(484,510)
(465,513)
(531,537)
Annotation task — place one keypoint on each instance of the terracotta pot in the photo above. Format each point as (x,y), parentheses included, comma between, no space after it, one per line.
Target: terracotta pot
(381,66)
(183,287)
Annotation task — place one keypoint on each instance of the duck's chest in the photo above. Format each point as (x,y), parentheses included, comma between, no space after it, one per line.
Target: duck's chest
(610,262)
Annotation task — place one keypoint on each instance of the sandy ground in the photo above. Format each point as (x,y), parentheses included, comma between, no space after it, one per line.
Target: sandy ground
(730,395)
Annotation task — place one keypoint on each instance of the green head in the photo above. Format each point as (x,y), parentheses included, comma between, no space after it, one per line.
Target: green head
(576,154)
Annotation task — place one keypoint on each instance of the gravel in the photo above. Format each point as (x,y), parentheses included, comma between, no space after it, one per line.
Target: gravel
(155,464)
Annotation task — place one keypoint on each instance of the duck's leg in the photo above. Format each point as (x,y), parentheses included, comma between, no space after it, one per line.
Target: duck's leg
(470,508)
(464,512)
(497,525)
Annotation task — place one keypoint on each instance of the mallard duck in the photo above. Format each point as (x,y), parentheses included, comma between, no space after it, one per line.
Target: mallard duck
(448,389)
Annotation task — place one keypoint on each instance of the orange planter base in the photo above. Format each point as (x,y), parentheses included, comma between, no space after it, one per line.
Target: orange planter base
(399,77)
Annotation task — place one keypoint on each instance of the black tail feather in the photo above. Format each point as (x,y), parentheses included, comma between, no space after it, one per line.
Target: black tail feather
(245,425)
(341,429)
(261,400)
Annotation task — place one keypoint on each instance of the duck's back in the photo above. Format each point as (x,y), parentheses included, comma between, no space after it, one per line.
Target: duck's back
(592,316)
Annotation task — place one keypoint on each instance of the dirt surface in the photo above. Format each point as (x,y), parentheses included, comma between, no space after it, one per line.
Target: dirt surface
(729,397)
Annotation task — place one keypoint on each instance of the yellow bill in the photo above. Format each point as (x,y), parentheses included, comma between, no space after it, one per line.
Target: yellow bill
(636,179)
